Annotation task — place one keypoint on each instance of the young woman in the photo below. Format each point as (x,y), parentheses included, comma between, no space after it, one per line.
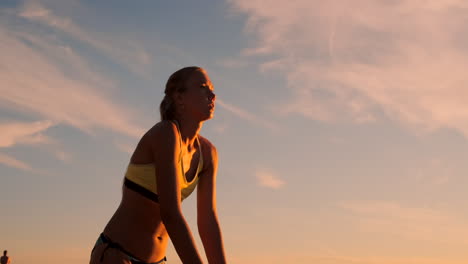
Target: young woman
(170,160)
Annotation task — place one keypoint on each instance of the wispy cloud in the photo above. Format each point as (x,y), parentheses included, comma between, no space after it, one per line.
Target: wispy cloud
(24,133)
(63,156)
(356,60)
(14,163)
(268,179)
(44,77)
(243,114)
(125,51)
(40,77)
(124,147)
(31,134)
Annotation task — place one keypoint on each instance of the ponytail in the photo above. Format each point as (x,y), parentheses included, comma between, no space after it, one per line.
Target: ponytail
(167,108)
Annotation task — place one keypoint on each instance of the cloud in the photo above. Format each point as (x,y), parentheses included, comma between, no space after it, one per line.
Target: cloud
(268,179)
(123,50)
(246,115)
(126,148)
(41,77)
(27,133)
(63,156)
(361,59)
(24,133)
(14,163)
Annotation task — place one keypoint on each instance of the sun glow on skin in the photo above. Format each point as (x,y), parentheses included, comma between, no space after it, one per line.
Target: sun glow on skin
(341,126)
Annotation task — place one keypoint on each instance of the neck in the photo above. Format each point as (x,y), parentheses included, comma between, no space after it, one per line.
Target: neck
(189,130)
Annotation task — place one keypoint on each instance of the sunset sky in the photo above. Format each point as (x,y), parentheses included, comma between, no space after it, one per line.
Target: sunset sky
(341,126)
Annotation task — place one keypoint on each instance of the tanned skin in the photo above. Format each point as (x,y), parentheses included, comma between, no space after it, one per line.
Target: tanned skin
(149,225)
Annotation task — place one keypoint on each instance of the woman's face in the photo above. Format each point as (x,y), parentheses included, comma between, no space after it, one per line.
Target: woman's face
(198,98)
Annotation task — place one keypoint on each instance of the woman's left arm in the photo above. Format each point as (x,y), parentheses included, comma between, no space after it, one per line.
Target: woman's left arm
(207,218)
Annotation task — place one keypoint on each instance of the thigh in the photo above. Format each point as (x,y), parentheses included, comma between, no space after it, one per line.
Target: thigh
(109,256)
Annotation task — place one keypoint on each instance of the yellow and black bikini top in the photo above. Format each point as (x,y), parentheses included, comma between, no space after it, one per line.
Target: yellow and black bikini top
(142,177)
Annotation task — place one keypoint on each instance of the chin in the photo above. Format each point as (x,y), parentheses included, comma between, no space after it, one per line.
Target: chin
(203,118)
(208,117)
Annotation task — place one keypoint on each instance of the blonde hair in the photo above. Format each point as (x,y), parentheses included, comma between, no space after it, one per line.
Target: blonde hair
(176,83)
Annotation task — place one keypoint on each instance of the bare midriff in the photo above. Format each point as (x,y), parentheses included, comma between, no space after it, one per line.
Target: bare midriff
(138,228)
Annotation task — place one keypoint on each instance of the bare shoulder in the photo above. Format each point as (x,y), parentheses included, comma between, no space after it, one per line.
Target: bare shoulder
(164,126)
(209,150)
(161,132)
(206,144)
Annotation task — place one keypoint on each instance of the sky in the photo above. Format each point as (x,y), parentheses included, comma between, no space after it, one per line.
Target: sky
(341,126)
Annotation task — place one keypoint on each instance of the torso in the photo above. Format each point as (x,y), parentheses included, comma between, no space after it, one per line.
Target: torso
(4,260)
(144,234)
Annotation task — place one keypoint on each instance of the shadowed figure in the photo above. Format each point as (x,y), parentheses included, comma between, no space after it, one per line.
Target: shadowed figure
(5,259)
(169,161)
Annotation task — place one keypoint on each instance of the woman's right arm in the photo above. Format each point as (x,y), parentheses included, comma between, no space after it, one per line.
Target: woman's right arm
(166,153)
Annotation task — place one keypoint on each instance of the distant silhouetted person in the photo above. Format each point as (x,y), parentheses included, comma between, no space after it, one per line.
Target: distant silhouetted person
(5,259)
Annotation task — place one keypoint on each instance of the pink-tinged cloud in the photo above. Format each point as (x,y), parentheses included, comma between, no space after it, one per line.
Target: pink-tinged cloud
(41,78)
(123,49)
(124,147)
(243,114)
(24,133)
(14,163)
(268,179)
(358,59)
(63,156)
